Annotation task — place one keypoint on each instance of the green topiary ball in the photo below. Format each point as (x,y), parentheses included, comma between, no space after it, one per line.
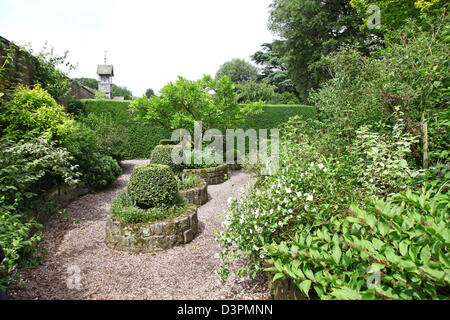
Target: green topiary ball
(162,154)
(152,185)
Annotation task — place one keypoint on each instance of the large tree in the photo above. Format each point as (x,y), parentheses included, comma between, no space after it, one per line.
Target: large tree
(124,92)
(310,30)
(180,104)
(274,70)
(238,70)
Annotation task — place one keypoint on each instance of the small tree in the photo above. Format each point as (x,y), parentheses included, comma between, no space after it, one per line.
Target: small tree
(214,102)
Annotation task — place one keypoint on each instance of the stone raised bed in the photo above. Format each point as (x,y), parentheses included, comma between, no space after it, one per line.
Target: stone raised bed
(151,237)
(234,166)
(197,195)
(284,289)
(214,175)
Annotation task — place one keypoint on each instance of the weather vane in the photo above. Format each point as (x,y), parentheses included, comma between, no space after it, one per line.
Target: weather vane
(105,56)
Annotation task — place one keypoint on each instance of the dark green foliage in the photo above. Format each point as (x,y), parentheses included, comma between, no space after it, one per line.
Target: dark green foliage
(124,208)
(75,108)
(119,91)
(112,138)
(169,142)
(149,93)
(142,137)
(162,154)
(88,82)
(310,30)
(152,185)
(275,115)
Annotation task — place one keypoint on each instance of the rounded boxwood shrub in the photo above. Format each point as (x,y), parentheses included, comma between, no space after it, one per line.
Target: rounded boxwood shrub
(152,185)
(162,154)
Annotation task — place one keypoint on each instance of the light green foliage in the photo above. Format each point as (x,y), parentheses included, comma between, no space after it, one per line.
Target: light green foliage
(124,208)
(252,91)
(99,95)
(152,185)
(382,159)
(32,112)
(307,190)
(238,70)
(162,154)
(188,180)
(180,104)
(393,249)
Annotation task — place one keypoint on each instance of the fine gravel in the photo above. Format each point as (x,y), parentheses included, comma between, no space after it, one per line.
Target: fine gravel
(79,265)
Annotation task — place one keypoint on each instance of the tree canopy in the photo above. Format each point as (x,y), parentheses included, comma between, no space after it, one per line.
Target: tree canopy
(238,70)
(180,104)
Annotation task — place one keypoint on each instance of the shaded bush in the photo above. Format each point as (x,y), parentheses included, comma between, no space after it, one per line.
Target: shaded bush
(152,185)
(162,154)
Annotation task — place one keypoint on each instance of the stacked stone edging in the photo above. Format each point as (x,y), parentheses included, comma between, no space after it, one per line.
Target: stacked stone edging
(284,289)
(151,237)
(214,175)
(197,195)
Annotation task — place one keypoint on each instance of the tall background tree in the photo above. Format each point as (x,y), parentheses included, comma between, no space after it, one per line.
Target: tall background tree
(149,93)
(310,30)
(238,70)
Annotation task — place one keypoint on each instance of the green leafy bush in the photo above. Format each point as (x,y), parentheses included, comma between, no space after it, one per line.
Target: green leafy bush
(98,170)
(162,154)
(166,142)
(112,138)
(188,180)
(307,191)
(124,208)
(393,249)
(152,185)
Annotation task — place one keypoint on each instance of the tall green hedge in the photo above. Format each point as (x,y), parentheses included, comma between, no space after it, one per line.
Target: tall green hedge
(143,137)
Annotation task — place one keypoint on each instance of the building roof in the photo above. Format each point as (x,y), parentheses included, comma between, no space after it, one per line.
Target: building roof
(105,70)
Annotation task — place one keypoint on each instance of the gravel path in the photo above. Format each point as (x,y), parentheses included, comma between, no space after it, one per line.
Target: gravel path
(184,272)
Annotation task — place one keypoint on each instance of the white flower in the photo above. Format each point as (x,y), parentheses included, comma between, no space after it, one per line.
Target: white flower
(312,164)
(325,170)
(299,194)
(288,190)
(309,197)
(320,166)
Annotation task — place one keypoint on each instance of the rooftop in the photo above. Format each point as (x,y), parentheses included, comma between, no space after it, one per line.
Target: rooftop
(105,70)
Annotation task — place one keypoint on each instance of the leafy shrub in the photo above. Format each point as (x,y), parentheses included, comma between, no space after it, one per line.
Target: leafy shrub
(97,170)
(99,95)
(307,191)
(393,249)
(252,91)
(32,111)
(162,154)
(75,108)
(26,169)
(188,180)
(124,208)
(112,138)
(382,161)
(208,156)
(152,185)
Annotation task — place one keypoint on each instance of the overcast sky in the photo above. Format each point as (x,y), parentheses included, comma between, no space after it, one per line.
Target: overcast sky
(149,43)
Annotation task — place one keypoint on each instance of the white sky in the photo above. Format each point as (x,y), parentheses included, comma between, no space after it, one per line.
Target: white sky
(149,43)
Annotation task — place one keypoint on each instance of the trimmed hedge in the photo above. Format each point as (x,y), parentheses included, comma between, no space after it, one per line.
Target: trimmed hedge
(143,137)
(152,185)
(162,154)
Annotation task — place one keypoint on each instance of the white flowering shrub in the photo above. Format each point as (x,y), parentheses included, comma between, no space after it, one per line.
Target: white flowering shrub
(307,192)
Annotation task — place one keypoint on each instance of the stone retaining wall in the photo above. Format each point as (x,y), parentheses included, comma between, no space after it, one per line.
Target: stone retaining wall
(151,237)
(214,175)
(234,166)
(197,195)
(284,289)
